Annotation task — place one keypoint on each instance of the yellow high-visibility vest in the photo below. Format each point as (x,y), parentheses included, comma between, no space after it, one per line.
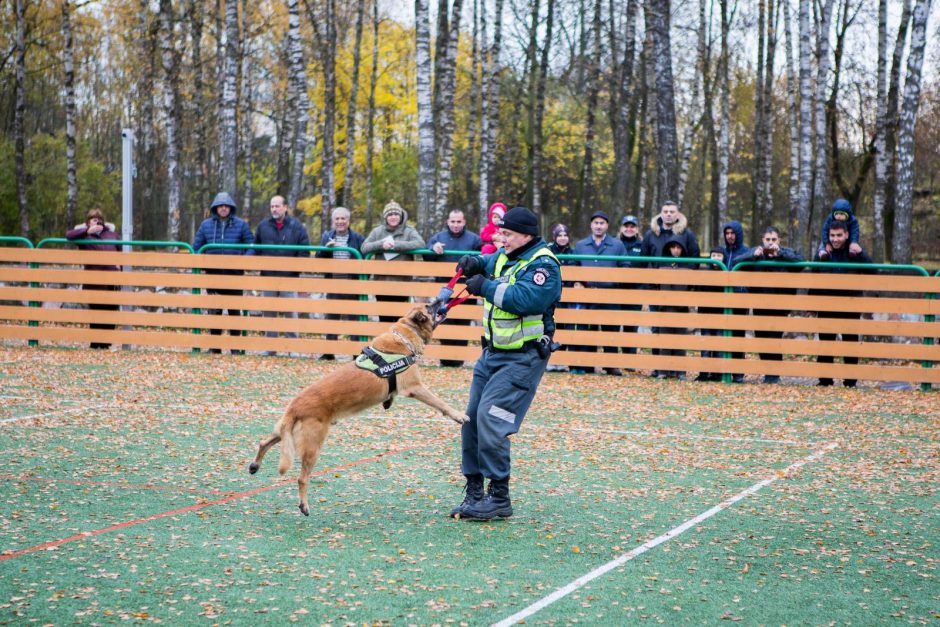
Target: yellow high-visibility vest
(505,330)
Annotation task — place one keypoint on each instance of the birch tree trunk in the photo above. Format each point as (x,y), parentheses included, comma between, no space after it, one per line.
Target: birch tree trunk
(881,162)
(621,100)
(586,199)
(425,116)
(328,58)
(800,230)
(891,126)
(348,172)
(658,15)
(286,128)
(757,171)
(196,11)
(491,110)
(19,111)
(246,115)
(370,122)
(171,113)
(469,162)
(692,125)
(68,54)
(821,184)
(724,87)
(297,77)
(228,135)
(901,242)
(766,158)
(445,123)
(539,117)
(793,189)
(532,71)
(150,71)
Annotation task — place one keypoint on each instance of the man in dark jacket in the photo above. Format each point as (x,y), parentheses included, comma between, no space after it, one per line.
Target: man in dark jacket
(454,237)
(284,230)
(771,250)
(670,222)
(339,239)
(732,248)
(839,253)
(224,227)
(600,243)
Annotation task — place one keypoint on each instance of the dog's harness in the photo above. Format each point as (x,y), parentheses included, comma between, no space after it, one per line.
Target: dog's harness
(387,365)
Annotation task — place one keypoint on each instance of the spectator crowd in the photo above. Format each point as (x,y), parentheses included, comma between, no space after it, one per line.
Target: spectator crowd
(668,243)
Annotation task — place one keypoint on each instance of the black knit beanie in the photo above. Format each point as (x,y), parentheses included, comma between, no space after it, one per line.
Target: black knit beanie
(521,220)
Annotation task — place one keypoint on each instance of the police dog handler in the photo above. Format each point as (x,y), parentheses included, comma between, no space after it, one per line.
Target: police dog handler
(520,284)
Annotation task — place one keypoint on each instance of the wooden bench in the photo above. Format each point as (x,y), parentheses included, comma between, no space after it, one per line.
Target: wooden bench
(163,304)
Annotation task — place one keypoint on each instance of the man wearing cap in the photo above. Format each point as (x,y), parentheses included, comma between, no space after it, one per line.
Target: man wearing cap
(633,243)
(224,227)
(520,285)
(600,244)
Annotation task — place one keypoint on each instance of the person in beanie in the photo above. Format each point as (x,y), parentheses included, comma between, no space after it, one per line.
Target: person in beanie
(520,285)
(392,240)
(561,245)
(224,227)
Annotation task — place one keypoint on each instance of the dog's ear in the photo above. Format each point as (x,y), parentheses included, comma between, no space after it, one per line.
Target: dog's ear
(419,318)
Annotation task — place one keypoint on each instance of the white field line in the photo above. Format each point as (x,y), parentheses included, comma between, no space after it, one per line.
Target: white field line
(647,434)
(51,413)
(643,548)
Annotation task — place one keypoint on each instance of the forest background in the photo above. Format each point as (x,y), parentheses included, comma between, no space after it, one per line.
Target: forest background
(763,111)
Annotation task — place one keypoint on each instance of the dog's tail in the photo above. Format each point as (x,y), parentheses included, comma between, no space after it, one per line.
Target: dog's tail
(287,443)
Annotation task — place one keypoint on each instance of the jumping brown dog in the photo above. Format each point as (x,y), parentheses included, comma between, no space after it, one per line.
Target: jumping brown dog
(350,390)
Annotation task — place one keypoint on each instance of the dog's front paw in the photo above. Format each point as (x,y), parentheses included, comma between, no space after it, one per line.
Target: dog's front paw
(460,418)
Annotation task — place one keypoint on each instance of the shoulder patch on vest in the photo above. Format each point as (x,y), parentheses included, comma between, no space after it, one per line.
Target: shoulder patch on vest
(540,276)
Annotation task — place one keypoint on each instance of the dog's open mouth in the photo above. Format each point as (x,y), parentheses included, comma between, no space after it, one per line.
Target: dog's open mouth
(437,311)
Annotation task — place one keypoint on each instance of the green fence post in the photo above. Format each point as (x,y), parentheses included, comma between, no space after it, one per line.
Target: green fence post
(928,341)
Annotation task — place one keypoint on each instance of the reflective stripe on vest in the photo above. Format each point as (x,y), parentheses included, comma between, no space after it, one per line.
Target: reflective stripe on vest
(509,331)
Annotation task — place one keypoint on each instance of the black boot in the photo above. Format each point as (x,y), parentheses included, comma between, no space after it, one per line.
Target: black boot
(473,494)
(495,504)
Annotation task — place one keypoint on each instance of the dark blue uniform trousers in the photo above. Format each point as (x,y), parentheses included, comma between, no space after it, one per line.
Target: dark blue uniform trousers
(504,384)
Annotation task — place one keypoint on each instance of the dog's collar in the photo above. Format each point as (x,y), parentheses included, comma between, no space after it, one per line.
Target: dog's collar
(406,342)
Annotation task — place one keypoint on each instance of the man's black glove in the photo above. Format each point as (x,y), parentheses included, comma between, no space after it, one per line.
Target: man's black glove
(471,265)
(475,284)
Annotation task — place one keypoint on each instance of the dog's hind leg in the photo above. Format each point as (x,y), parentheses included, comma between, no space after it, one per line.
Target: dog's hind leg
(262,450)
(311,438)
